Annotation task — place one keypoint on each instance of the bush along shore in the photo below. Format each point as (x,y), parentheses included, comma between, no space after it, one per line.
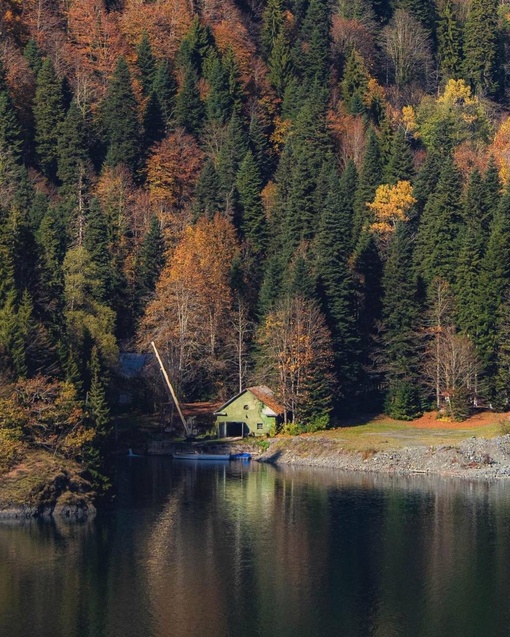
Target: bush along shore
(473,458)
(43,486)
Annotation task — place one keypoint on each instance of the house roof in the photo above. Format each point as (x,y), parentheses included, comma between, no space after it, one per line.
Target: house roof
(130,365)
(262,393)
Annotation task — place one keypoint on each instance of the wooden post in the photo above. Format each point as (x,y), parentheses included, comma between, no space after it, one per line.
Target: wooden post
(171,389)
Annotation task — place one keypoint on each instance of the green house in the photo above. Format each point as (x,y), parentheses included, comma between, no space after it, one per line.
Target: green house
(255,411)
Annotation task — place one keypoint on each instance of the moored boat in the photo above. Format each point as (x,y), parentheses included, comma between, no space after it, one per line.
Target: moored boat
(211,456)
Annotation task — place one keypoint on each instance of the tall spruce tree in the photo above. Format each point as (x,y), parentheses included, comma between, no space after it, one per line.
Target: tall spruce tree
(449,41)
(150,261)
(400,166)
(335,285)
(208,200)
(165,88)
(437,239)
(72,151)
(48,108)
(119,119)
(253,219)
(370,177)
(189,108)
(482,63)
(399,356)
(146,63)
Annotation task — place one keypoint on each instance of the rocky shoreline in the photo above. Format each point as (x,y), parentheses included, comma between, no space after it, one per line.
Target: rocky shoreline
(473,458)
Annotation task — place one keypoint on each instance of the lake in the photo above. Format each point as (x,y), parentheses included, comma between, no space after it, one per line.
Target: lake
(245,550)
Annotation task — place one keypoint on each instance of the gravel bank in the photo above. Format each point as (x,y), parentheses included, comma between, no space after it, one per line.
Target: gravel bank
(473,458)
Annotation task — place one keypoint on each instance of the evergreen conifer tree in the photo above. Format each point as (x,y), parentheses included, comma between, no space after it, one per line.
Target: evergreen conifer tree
(32,54)
(150,261)
(154,125)
(355,83)
(49,112)
(400,347)
(165,88)
(253,220)
(119,119)
(437,240)
(370,177)
(482,64)
(400,166)
(272,26)
(230,157)
(72,151)
(189,109)
(96,243)
(146,63)
(449,41)
(208,200)
(218,104)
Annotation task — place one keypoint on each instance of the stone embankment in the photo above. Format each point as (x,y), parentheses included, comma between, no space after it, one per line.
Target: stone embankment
(472,458)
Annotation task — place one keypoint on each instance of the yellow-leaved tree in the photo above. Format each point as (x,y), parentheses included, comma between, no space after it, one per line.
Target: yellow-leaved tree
(391,205)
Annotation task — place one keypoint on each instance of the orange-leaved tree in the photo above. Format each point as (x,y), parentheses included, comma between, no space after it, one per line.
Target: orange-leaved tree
(189,316)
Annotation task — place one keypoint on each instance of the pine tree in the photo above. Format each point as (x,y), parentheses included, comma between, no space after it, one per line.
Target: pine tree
(370,177)
(154,125)
(260,146)
(230,157)
(313,44)
(72,151)
(146,63)
(400,351)
(355,83)
(48,114)
(482,66)
(253,220)
(335,283)
(427,178)
(280,63)
(150,261)
(493,285)
(218,104)
(401,165)
(189,109)
(436,242)
(119,119)
(449,41)
(195,46)
(32,54)
(272,26)
(97,245)
(165,88)
(208,200)
(10,137)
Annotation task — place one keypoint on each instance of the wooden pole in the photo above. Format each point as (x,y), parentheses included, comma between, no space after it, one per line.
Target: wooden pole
(172,392)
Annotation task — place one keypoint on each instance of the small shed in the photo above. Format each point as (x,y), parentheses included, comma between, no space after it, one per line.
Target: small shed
(254,411)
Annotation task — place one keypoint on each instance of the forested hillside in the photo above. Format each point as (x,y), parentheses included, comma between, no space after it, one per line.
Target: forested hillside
(302,193)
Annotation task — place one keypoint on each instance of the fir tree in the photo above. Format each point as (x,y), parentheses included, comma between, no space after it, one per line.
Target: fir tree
(32,54)
(449,41)
(218,104)
(48,115)
(399,336)
(482,65)
(272,26)
(230,157)
(150,261)
(401,165)
(370,177)
(436,242)
(334,278)
(97,245)
(189,109)
(146,63)
(208,200)
(280,63)
(72,151)
(165,89)
(10,137)
(253,220)
(195,46)
(355,83)
(154,125)
(119,119)
(313,44)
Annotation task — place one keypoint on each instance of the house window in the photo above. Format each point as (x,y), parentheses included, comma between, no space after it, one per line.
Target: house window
(260,425)
(246,407)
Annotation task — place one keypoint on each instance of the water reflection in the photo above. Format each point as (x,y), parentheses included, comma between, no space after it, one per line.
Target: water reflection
(221,549)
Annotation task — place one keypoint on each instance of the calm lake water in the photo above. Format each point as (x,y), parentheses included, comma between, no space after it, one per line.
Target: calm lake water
(240,550)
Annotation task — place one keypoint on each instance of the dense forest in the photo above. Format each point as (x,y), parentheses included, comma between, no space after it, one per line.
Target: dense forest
(302,193)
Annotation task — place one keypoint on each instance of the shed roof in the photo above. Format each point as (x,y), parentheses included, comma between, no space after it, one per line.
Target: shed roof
(262,393)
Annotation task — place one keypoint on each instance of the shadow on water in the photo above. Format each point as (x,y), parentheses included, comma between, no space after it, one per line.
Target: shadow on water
(215,549)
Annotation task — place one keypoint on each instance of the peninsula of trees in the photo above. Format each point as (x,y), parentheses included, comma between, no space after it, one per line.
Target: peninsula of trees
(308,194)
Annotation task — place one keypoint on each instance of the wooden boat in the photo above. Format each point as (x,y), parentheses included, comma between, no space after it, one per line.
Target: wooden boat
(211,456)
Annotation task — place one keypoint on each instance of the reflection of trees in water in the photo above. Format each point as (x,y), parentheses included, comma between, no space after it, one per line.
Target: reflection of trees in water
(257,551)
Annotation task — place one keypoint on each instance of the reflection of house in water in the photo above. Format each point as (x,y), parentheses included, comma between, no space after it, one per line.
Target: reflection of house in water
(254,411)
